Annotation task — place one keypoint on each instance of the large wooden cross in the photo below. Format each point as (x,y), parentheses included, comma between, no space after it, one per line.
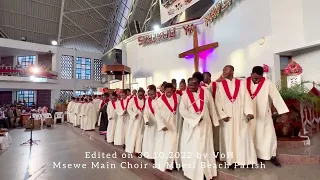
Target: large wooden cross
(197,49)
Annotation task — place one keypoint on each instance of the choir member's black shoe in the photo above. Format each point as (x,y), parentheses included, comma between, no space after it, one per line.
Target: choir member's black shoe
(152,161)
(261,161)
(275,162)
(168,170)
(232,167)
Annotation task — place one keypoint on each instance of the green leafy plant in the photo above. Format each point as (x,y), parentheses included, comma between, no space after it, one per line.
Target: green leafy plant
(298,92)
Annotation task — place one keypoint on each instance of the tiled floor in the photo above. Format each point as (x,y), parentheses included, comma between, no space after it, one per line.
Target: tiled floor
(64,145)
(60,144)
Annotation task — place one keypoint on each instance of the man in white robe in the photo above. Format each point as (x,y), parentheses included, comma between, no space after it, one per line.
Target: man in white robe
(166,148)
(262,128)
(77,111)
(90,117)
(83,114)
(69,112)
(199,113)
(97,102)
(149,118)
(122,120)
(212,87)
(112,117)
(234,107)
(135,109)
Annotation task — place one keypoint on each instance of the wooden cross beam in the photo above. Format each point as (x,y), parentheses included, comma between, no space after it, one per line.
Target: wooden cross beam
(197,49)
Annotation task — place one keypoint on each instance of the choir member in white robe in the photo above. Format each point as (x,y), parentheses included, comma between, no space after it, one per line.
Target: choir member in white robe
(234,107)
(112,117)
(72,110)
(150,130)
(199,113)
(212,87)
(122,120)
(77,112)
(83,114)
(69,113)
(90,118)
(135,109)
(166,146)
(262,129)
(97,101)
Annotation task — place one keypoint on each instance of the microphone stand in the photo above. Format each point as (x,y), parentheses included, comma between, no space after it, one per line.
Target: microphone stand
(31,141)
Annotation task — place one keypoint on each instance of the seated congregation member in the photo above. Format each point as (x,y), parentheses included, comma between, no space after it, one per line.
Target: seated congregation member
(167,136)
(150,130)
(91,116)
(112,117)
(122,120)
(262,129)
(134,130)
(103,118)
(198,111)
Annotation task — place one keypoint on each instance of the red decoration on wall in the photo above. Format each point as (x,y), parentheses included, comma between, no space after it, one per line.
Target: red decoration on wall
(293,68)
(188,29)
(157,37)
(216,10)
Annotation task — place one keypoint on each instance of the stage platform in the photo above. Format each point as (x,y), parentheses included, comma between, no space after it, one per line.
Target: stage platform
(297,163)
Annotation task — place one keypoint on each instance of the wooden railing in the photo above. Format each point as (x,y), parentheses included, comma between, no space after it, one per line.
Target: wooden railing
(26,72)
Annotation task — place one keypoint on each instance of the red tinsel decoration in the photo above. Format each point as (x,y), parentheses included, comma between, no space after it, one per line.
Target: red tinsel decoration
(293,68)
(265,68)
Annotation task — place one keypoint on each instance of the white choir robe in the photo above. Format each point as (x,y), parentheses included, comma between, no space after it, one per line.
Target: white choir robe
(122,120)
(150,130)
(90,118)
(72,112)
(197,137)
(97,104)
(83,115)
(77,113)
(134,132)
(216,129)
(262,128)
(69,114)
(166,141)
(236,144)
(112,118)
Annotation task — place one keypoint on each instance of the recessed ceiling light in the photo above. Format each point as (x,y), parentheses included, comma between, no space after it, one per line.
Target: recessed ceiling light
(54,43)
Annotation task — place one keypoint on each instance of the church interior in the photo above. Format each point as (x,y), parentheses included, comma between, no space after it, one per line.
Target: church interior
(70,71)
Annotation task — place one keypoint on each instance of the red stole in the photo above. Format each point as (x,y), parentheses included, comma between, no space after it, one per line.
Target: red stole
(150,105)
(258,87)
(137,104)
(113,104)
(158,94)
(193,102)
(214,89)
(179,92)
(175,102)
(122,105)
(102,104)
(227,90)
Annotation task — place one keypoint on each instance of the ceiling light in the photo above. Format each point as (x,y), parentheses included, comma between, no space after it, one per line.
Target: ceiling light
(156,27)
(35,70)
(54,43)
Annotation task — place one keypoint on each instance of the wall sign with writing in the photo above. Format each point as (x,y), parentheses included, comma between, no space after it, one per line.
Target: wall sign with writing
(216,10)
(157,37)
(188,29)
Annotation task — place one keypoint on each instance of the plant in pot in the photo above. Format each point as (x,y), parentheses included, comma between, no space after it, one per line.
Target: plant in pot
(293,96)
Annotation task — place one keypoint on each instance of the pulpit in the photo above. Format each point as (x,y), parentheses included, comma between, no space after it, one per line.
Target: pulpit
(116,69)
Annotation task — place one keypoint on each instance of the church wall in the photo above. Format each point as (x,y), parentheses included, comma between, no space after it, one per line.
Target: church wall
(238,33)
(309,61)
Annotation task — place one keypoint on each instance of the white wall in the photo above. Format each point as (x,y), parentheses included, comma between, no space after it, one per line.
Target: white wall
(237,32)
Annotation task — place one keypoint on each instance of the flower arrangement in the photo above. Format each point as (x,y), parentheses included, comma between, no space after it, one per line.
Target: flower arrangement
(265,68)
(293,68)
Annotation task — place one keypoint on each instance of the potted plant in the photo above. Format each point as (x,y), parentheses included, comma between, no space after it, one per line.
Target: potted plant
(293,97)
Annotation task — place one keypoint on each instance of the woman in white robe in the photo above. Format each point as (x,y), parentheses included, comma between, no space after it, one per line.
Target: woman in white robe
(135,109)
(199,113)
(166,148)
(122,120)
(150,130)
(83,114)
(112,118)
(78,113)
(91,115)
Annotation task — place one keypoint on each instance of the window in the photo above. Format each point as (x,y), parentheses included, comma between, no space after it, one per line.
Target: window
(65,94)
(27,96)
(26,61)
(67,67)
(82,92)
(83,68)
(97,64)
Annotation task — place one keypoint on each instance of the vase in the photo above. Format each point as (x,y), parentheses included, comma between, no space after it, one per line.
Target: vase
(296,131)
